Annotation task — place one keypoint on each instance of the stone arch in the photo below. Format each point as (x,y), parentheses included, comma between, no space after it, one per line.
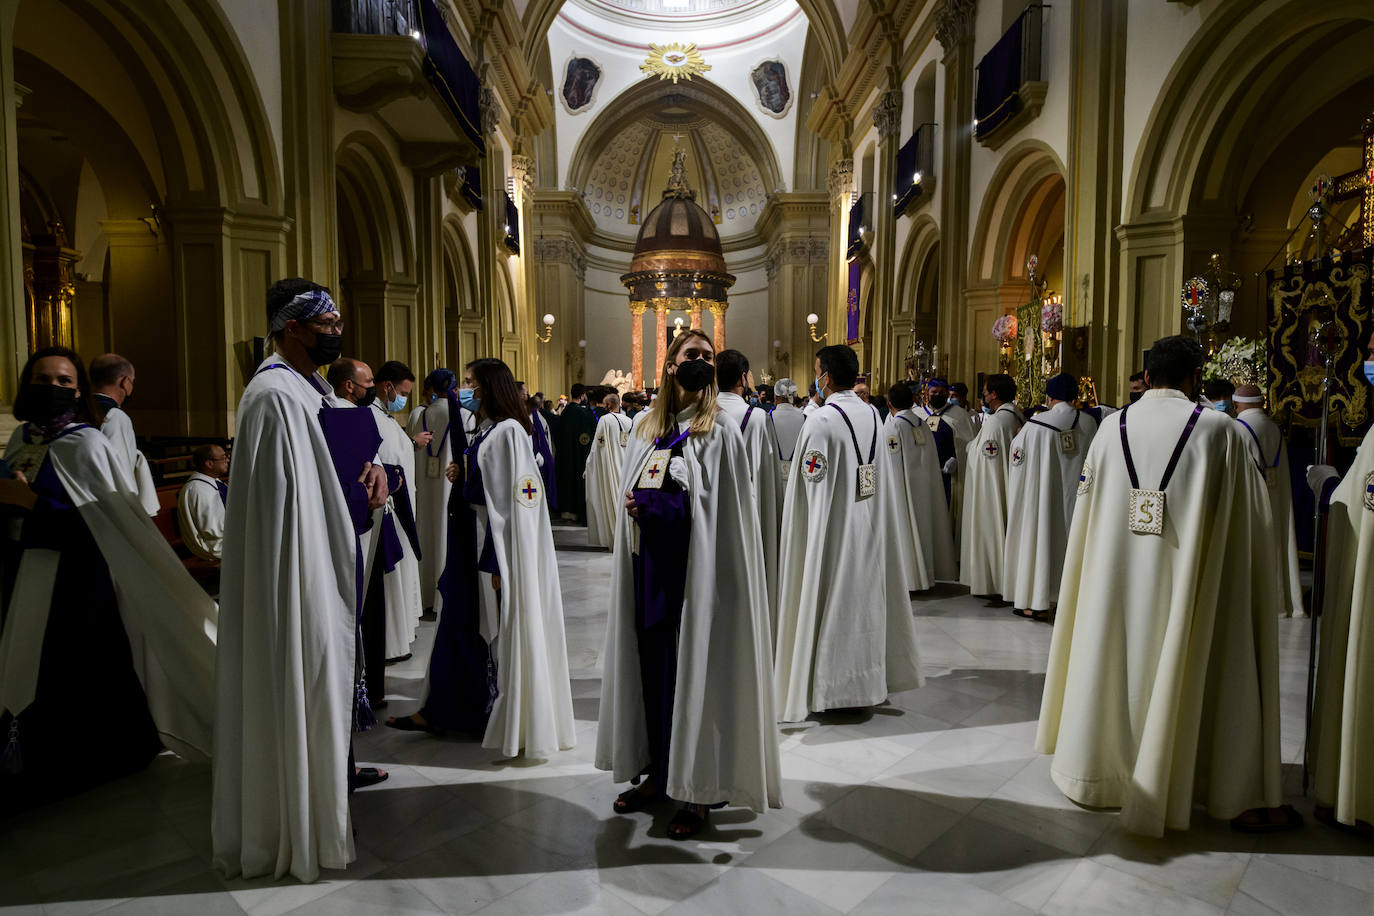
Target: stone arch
(161,105)
(463,313)
(916,316)
(701,97)
(822,15)
(377,288)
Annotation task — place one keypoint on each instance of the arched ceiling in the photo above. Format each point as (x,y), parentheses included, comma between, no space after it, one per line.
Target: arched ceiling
(628,177)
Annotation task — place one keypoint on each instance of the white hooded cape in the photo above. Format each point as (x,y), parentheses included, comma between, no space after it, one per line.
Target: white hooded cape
(603,477)
(984,468)
(761,444)
(402,584)
(961,422)
(920,516)
(533,710)
(119,429)
(1270,445)
(169,619)
(1042,487)
(724,744)
(1343,717)
(1162,687)
(787,426)
(845,631)
(285,673)
(431,494)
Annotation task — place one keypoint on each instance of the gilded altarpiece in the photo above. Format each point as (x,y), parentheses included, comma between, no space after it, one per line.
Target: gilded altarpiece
(1029,366)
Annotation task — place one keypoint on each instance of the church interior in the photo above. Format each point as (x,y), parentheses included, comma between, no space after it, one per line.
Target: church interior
(565,184)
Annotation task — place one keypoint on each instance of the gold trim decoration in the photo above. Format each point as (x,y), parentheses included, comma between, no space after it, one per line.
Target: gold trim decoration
(674,62)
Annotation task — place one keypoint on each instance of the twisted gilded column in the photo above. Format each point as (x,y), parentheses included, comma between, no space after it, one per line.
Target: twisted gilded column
(661,331)
(637,343)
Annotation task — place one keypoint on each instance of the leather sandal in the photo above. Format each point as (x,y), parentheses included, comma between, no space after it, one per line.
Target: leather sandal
(632,800)
(687,823)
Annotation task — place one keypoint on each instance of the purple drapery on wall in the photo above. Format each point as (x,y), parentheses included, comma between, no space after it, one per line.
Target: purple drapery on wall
(852,304)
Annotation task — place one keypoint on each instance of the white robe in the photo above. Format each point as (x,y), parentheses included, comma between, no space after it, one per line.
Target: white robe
(119,429)
(1269,446)
(200,513)
(170,621)
(921,518)
(1042,487)
(761,444)
(402,584)
(1343,717)
(533,711)
(961,423)
(431,495)
(1162,687)
(285,679)
(845,632)
(787,426)
(604,501)
(985,502)
(724,744)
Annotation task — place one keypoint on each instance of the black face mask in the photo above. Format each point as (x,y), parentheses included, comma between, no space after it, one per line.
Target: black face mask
(939,400)
(327,349)
(369,395)
(48,402)
(696,374)
(1135,396)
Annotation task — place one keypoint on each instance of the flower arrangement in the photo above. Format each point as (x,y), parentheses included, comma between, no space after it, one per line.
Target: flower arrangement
(1004,329)
(1052,317)
(1240,360)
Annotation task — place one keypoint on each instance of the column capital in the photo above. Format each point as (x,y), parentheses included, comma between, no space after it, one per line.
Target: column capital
(522,167)
(637,308)
(841,178)
(954,23)
(887,114)
(490,108)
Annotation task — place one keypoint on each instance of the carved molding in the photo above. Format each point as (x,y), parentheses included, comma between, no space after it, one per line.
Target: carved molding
(954,23)
(840,181)
(491,110)
(813,252)
(887,114)
(522,167)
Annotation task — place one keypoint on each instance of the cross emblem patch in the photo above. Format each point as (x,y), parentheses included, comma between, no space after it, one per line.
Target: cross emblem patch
(1017,456)
(527,491)
(990,449)
(893,444)
(1369,492)
(813,466)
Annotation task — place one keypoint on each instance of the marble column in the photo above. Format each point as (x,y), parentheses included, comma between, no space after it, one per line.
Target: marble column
(695,313)
(637,343)
(954,32)
(718,326)
(840,184)
(661,337)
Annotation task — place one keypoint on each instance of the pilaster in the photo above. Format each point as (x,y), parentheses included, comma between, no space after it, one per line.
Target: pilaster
(14,343)
(887,118)
(307,82)
(954,30)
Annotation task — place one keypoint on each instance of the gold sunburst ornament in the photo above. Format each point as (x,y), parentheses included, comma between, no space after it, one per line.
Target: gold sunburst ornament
(674,62)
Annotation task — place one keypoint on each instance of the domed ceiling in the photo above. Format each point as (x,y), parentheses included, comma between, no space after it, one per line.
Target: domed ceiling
(627,178)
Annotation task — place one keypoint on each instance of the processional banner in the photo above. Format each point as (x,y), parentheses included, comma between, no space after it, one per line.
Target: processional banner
(1304,297)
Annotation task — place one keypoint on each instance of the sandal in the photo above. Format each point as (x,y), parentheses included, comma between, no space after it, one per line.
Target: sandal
(632,800)
(1267,820)
(687,823)
(368,776)
(1043,616)
(1326,814)
(408,724)
(1023,613)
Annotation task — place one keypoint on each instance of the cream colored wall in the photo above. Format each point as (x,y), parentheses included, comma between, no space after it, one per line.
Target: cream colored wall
(255,24)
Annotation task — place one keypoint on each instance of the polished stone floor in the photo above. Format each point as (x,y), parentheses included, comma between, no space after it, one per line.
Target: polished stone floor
(935,803)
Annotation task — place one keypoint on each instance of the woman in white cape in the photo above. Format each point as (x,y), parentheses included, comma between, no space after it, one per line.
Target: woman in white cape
(686,697)
(108,647)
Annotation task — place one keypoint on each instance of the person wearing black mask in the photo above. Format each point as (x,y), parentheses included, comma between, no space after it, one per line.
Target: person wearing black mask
(352,382)
(96,581)
(1138,386)
(686,700)
(289,686)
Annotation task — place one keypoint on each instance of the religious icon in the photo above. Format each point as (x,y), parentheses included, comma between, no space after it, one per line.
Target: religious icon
(580,79)
(771,89)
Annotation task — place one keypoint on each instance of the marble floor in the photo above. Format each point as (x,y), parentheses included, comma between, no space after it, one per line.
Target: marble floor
(934,803)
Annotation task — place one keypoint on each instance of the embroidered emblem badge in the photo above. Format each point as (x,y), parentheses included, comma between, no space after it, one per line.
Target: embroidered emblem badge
(1018,456)
(990,449)
(813,465)
(893,444)
(527,491)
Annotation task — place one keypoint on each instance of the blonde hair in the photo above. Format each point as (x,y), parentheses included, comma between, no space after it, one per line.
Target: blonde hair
(661,417)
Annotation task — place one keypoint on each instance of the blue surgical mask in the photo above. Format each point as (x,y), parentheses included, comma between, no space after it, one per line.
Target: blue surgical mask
(820,392)
(469,400)
(1369,371)
(753,402)
(396,403)
(987,410)
(1222,406)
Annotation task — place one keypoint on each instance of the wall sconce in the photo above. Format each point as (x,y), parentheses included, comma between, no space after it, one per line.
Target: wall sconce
(548,330)
(811,320)
(780,356)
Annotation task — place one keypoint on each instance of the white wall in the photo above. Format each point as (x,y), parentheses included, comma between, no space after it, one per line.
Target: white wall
(255,25)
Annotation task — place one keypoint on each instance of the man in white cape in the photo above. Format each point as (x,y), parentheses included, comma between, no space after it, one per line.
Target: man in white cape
(1342,745)
(431,485)
(170,621)
(286,679)
(724,735)
(787,425)
(112,379)
(1271,456)
(985,490)
(1162,688)
(953,429)
(397,454)
(760,441)
(917,494)
(1042,487)
(846,637)
(603,472)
